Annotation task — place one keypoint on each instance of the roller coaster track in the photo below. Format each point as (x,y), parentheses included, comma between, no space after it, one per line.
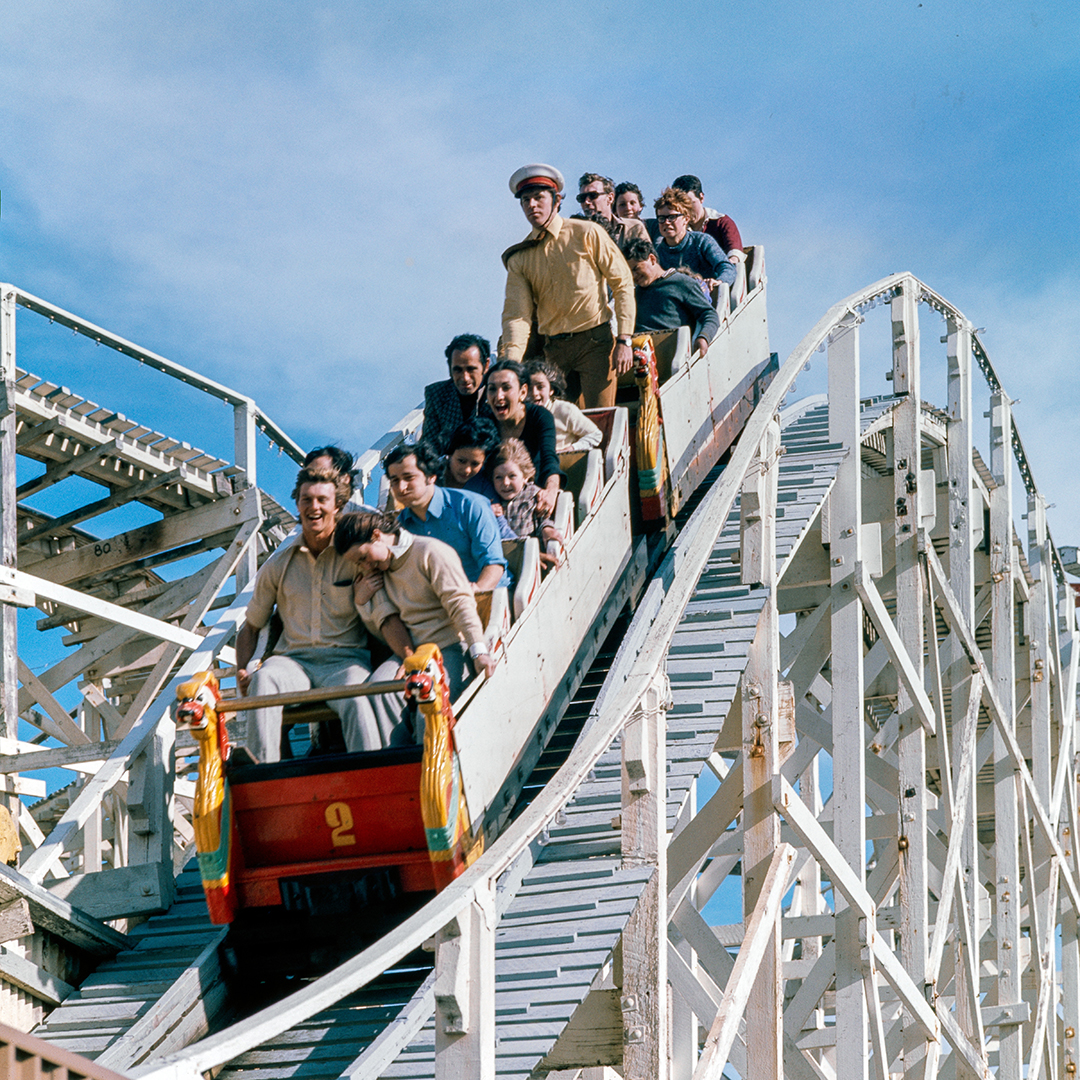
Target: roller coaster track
(878,673)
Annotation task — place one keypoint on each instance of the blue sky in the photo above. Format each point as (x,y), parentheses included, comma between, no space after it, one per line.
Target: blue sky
(306,201)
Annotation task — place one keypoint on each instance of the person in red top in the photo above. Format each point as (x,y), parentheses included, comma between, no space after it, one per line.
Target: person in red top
(719,226)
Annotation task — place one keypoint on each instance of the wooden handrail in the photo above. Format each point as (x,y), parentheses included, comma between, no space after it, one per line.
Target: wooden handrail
(306,697)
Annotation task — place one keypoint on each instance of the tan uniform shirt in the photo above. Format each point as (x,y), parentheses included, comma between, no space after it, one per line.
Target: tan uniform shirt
(315,613)
(427,587)
(563,280)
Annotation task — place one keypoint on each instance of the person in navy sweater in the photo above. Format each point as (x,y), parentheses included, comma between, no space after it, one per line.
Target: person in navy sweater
(669,298)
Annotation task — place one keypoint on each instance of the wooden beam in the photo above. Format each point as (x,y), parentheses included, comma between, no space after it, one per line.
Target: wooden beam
(967,1053)
(120,497)
(121,892)
(128,547)
(960,812)
(106,645)
(80,601)
(72,734)
(910,677)
(760,731)
(84,456)
(244,541)
(688,850)
(1042,819)
(49,853)
(644,938)
(182,1010)
(593,1037)
(759,930)
(35,980)
(62,757)
(15,921)
(843,533)
(34,433)
(915,714)
(9,530)
(61,918)
(465,993)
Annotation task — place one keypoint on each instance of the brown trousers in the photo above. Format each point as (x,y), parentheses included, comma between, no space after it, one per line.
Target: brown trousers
(586,361)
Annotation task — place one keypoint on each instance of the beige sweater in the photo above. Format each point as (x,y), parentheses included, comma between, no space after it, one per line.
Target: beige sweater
(573,429)
(426,585)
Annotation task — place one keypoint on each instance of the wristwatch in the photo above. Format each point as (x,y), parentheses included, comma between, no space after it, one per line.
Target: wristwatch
(624,339)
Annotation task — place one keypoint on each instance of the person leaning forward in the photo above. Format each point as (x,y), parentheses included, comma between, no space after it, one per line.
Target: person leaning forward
(322,641)
(560,275)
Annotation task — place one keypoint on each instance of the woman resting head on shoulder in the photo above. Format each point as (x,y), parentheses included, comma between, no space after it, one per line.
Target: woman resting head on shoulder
(573,429)
(410,590)
(517,417)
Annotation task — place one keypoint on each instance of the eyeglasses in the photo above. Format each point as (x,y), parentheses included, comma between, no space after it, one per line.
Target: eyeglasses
(668,217)
(588,196)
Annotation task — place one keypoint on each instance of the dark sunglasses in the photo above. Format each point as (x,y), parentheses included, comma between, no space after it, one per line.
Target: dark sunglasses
(586,196)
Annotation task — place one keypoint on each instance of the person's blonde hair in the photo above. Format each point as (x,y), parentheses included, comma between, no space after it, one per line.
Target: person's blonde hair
(514,452)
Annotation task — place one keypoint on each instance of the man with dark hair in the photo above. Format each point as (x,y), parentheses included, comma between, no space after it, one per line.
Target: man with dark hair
(463,519)
(559,276)
(450,403)
(596,195)
(322,642)
(719,226)
(667,299)
(334,459)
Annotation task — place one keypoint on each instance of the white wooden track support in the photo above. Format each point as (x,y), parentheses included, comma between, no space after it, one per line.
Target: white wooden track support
(107,844)
(877,671)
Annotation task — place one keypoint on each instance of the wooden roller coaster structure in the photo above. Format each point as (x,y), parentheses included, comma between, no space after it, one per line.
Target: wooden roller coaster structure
(849,635)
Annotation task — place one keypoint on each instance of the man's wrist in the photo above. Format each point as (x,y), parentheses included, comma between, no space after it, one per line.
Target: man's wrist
(477,649)
(624,339)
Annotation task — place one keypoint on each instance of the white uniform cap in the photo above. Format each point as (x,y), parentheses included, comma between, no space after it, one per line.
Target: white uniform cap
(536,176)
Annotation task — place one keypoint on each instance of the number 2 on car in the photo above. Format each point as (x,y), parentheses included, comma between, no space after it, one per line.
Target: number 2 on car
(339,818)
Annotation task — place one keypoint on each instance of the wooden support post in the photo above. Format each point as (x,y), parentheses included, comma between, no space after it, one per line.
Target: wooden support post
(1006,815)
(1043,638)
(911,741)
(684,1022)
(245,436)
(809,881)
(849,766)
(962,579)
(465,992)
(761,754)
(150,809)
(9,651)
(644,940)
(1070,967)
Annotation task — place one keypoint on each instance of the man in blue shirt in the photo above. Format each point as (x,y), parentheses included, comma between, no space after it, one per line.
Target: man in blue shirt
(460,518)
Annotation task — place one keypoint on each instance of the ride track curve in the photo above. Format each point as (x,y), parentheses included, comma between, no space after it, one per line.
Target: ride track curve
(919,957)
